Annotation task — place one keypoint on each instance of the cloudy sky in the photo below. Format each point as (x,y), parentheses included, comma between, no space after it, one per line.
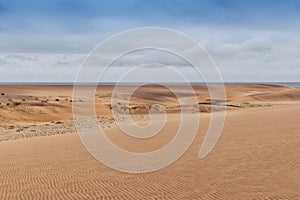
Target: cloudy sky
(249,40)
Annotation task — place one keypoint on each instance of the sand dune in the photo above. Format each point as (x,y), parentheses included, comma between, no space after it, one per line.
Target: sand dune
(257,156)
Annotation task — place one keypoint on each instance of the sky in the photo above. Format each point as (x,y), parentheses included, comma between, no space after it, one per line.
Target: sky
(249,40)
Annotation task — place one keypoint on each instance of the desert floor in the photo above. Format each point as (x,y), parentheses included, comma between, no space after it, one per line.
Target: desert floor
(256,157)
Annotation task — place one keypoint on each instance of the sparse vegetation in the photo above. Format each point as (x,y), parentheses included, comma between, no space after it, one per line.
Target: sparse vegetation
(16,103)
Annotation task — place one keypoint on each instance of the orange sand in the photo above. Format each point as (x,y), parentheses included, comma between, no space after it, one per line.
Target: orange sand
(256,157)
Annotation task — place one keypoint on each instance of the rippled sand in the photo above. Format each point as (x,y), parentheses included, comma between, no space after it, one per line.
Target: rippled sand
(256,157)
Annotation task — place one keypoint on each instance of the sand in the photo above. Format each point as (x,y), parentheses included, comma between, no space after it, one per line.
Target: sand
(256,157)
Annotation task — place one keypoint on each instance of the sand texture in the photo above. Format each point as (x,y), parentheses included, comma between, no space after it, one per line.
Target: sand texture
(256,157)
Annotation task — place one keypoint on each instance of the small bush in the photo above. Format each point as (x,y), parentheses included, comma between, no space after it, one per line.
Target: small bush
(16,103)
(56,99)
(2,94)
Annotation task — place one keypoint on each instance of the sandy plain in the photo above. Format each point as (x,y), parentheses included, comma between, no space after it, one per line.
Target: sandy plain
(256,157)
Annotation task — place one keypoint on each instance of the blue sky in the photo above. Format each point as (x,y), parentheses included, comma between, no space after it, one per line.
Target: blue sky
(250,40)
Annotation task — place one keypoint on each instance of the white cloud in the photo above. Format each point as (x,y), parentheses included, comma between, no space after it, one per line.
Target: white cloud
(254,55)
(241,55)
(22,67)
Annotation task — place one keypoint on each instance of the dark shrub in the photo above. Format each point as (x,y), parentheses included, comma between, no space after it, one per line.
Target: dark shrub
(16,103)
